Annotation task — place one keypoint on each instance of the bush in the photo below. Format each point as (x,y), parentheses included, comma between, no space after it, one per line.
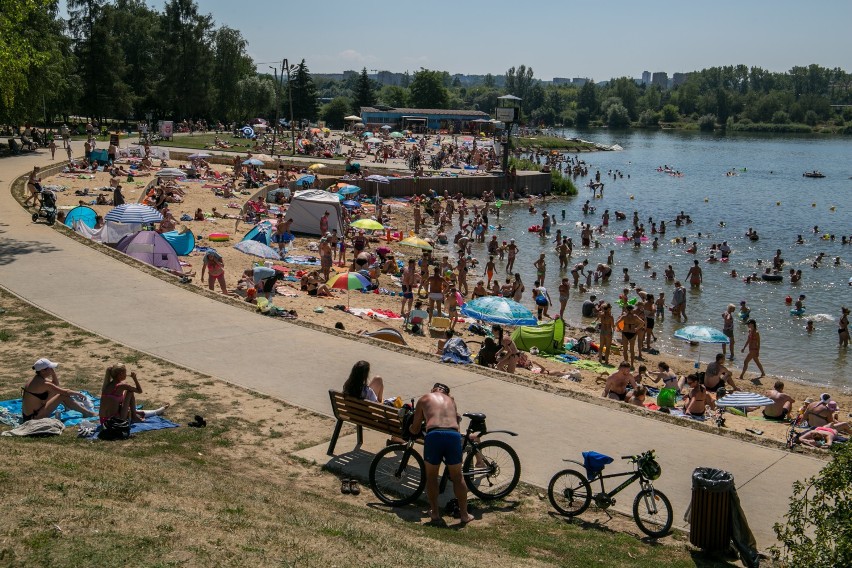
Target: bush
(707,122)
(583,118)
(561,185)
(770,127)
(617,116)
(649,119)
(811,118)
(524,165)
(780,117)
(670,113)
(818,532)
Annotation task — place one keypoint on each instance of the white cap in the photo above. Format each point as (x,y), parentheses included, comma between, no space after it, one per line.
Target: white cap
(43,364)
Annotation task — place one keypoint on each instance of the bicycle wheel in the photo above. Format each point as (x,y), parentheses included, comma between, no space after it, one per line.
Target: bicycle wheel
(393,483)
(569,492)
(652,512)
(497,475)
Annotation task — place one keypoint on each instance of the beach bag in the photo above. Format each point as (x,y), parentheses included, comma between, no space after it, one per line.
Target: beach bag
(115,429)
(594,463)
(583,346)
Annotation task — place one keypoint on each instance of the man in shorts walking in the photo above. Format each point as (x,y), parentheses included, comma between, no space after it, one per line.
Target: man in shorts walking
(443,442)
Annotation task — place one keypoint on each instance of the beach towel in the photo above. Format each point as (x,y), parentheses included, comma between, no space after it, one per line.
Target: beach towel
(593,366)
(41,427)
(68,417)
(680,414)
(564,358)
(456,351)
(149,425)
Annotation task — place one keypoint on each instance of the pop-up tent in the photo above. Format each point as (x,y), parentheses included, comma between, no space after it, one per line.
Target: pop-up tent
(182,242)
(151,248)
(262,233)
(307,208)
(547,337)
(81,213)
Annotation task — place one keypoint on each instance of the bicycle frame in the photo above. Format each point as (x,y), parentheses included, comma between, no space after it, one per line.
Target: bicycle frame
(632,475)
(474,448)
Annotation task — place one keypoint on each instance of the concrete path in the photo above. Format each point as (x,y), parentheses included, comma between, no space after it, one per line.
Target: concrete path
(110,298)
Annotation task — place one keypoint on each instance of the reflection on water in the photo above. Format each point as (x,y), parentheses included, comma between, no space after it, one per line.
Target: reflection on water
(769,194)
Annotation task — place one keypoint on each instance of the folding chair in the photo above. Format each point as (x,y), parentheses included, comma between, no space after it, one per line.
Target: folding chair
(439,325)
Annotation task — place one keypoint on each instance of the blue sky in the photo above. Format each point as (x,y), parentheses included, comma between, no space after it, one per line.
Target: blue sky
(593,38)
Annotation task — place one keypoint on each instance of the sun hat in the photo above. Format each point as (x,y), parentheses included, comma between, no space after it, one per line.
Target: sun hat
(824,397)
(43,364)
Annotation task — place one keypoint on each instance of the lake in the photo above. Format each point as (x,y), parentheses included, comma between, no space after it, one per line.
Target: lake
(769,194)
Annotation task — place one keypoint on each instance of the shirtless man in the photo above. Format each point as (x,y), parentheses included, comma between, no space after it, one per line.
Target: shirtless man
(717,375)
(696,277)
(607,326)
(678,307)
(435,286)
(563,251)
(441,443)
(782,403)
(616,383)
(631,325)
(511,253)
(452,306)
(579,269)
(408,280)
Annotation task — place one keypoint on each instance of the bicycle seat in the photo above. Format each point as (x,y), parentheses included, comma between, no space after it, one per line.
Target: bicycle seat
(474,416)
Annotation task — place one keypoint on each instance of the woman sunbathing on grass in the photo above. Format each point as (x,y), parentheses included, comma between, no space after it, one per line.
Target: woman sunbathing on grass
(43,393)
(118,400)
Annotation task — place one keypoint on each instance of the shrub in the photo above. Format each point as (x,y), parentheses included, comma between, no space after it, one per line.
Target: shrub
(670,113)
(524,164)
(707,122)
(811,118)
(649,119)
(583,118)
(561,185)
(780,117)
(617,116)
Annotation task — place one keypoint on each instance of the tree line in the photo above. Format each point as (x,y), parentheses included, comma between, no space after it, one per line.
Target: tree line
(125,60)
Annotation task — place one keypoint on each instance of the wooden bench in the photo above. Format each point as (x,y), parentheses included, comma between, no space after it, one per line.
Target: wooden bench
(363,414)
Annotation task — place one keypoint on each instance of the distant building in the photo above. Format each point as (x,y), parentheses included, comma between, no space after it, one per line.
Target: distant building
(420,119)
(660,79)
(561,81)
(579,81)
(646,77)
(679,79)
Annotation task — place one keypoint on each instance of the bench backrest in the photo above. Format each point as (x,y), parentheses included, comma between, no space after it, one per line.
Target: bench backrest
(372,415)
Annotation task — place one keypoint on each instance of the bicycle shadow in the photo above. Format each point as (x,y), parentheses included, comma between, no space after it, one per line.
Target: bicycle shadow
(419,511)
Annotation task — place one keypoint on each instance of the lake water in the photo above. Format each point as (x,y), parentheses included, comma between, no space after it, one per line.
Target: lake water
(770,195)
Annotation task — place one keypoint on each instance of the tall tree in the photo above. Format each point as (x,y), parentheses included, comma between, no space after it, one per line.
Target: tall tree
(136,27)
(304,93)
(231,64)
(588,98)
(363,94)
(335,111)
(394,96)
(186,35)
(428,91)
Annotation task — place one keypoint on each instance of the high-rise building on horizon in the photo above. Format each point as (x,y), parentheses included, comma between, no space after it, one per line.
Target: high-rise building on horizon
(646,77)
(660,79)
(679,79)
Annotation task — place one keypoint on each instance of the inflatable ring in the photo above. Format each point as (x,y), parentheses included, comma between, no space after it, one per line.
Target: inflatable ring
(534,228)
(797,312)
(630,302)
(219,237)
(771,277)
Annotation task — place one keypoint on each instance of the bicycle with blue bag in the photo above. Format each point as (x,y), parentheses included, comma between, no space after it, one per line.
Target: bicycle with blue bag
(570,492)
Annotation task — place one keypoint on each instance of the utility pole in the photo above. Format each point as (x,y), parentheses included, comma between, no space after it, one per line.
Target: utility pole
(275,126)
(286,66)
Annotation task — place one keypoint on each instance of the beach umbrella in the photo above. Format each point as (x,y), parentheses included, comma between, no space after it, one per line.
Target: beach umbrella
(349,204)
(258,121)
(701,334)
(134,213)
(373,140)
(199,155)
(368,224)
(386,127)
(397,135)
(348,189)
(170,172)
(315,167)
(253,162)
(378,179)
(494,309)
(248,131)
(366,134)
(256,248)
(353,118)
(306,180)
(348,281)
(416,242)
(744,400)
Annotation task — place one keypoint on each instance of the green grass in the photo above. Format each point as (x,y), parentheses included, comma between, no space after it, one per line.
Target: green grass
(551,143)
(208,141)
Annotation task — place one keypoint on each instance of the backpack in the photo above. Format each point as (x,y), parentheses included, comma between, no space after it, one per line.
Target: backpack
(583,346)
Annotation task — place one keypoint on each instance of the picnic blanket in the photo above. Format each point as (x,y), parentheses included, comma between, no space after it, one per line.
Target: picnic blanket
(149,425)
(68,417)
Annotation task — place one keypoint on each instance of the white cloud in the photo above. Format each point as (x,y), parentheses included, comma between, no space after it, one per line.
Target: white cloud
(353,56)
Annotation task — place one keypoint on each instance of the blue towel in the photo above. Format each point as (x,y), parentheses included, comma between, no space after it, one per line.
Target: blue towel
(566,358)
(150,424)
(68,417)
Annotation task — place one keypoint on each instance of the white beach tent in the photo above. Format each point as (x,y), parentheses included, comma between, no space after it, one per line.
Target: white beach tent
(307,208)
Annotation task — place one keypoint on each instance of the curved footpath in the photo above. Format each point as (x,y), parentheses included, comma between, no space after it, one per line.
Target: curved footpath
(110,298)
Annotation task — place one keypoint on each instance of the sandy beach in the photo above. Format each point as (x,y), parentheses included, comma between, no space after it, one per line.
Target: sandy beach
(364,316)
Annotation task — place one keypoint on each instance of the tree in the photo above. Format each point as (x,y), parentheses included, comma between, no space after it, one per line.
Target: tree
(617,116)
(649,119)
(335,111)
(670,113)
(187,36)
(588,98)
(428,91)
(363,94)
(231,64)
(394,96)
(817,531)
(256,96)
(489,81)
(304,94)
(18,52)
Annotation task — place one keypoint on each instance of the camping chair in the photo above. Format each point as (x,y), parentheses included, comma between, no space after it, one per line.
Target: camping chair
(415,318)
(439,325)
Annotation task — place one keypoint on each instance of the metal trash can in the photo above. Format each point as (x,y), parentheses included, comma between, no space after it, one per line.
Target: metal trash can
(710,518)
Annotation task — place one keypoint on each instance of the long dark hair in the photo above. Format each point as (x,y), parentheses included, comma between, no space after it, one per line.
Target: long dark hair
(354,385)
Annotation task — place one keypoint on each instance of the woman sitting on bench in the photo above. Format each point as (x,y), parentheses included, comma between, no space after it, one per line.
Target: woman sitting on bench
(357,386)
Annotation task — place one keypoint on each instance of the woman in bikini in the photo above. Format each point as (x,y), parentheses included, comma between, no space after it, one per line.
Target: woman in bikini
(607,324)
(843,328)
(118,400)
(695,402)
(665,374)
(630,326)
(43,393)
(509,360)
(753,344)
(214,266)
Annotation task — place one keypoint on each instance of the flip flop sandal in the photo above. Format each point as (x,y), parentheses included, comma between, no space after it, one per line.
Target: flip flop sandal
(354,489)
(345,486)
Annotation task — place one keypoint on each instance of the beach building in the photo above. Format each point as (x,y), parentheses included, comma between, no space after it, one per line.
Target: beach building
(422,119)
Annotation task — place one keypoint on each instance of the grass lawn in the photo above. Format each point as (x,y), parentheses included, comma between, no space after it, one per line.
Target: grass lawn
(552,143)
(234,493)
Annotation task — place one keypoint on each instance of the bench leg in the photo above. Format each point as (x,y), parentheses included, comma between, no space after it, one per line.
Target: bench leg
(359,434)
(334,437)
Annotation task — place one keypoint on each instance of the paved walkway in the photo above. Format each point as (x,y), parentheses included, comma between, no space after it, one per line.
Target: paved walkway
(110,298)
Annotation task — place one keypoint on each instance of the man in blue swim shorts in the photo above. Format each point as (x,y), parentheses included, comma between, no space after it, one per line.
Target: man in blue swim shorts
(443,442)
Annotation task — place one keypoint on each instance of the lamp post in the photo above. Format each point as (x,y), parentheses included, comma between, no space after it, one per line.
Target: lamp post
(275,126)
(286,67)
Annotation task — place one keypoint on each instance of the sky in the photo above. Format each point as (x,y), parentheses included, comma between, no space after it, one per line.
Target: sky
(598,39)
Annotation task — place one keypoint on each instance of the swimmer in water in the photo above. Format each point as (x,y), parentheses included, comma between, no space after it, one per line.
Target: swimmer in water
(810,326)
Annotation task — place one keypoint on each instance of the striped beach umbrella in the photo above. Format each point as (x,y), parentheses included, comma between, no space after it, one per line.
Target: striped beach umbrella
(134,213)
(744,400)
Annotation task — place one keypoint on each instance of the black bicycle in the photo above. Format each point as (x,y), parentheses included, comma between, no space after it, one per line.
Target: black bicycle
(491,469)
(570,492)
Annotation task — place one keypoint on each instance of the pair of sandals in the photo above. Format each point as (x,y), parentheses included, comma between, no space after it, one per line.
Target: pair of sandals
(199,422)
(350,486)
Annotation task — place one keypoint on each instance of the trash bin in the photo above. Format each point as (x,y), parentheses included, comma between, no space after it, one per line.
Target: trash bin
(710,510)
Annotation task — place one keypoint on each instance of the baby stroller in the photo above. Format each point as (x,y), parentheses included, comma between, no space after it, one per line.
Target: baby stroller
(47,207)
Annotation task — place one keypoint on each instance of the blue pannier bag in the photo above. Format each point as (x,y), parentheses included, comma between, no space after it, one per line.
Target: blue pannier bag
(594,464)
